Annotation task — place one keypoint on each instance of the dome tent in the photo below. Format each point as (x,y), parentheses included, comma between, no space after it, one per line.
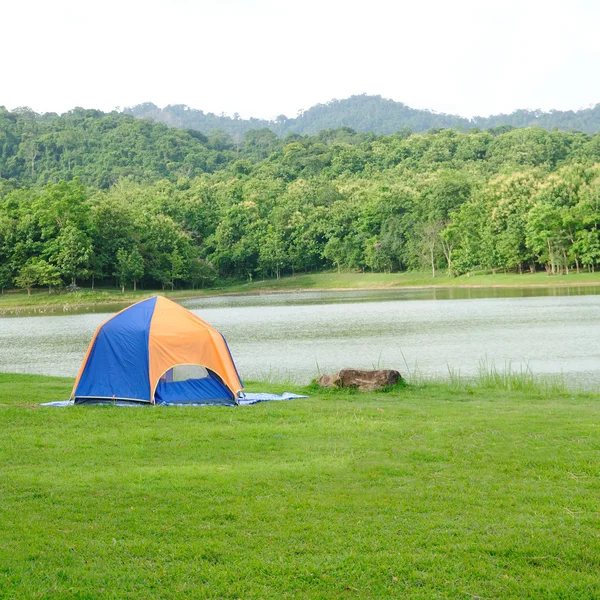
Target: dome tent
(157,352)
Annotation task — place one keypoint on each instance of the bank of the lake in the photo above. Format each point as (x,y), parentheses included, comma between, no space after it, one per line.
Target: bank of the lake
(40,301)
(453,491)
(432,332)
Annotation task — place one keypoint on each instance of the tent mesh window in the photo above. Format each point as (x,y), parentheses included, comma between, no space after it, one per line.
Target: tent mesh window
(185,372)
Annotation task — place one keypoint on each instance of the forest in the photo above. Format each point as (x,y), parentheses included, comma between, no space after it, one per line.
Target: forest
(91,198)
(366,114)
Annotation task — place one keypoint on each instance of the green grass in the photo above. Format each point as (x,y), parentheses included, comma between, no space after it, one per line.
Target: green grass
(413,279)
(41,301)
(457,490)
(31,390)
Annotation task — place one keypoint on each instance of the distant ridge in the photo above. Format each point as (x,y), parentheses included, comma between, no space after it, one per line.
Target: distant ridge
(365,114)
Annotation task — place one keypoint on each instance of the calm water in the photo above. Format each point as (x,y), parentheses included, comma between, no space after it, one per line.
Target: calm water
(296,335)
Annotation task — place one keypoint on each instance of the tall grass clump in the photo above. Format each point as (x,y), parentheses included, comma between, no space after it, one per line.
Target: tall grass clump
(490,377)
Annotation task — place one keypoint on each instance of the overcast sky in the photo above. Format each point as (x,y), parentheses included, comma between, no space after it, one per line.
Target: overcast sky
(266,57)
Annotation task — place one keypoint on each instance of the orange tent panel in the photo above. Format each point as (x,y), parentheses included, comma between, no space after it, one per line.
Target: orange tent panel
(179,337)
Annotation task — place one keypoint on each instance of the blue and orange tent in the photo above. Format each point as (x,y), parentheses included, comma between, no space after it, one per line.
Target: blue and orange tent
(157,352)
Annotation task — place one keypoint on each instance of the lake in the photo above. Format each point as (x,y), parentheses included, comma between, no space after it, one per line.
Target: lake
(294,336)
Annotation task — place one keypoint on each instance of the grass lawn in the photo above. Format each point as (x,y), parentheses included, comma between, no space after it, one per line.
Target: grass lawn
(413,279)
(429,491)
(9,301)
(40,299)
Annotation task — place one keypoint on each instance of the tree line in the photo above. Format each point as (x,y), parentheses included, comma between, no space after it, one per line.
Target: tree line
(517,200)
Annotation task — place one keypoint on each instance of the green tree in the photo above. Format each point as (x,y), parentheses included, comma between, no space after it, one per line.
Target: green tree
(27,277)
(334,252)
(272,254)
(48,275)
(74,252)
(177,267)
(376,256)
(587,246)
(546,237)
(201,273)
(129,267)
(37,272)
(430,242)
(136,266)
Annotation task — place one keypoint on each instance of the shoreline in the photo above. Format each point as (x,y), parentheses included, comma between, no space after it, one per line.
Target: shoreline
(71,303)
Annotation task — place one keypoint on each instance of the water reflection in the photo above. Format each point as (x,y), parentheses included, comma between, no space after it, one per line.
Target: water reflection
(405,294)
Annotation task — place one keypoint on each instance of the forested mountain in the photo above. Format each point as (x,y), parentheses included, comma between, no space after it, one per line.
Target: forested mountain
(100,148)
(366,114)
(184,117)
(88,197)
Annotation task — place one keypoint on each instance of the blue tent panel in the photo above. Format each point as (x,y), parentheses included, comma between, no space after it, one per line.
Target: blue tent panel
(208,390)
(118,362)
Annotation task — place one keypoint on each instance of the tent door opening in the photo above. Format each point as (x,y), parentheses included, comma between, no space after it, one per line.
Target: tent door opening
(192,384)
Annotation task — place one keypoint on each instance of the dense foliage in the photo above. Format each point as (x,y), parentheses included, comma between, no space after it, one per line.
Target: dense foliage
(366,114)
(101,148)
(135,202)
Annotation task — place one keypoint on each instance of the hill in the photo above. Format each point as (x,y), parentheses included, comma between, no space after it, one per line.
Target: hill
(100,148)
(365,114)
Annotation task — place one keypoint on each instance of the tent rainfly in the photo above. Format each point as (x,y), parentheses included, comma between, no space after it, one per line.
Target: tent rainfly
(157,352)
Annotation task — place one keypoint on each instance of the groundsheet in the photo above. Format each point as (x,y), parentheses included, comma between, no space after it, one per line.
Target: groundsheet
(245,400)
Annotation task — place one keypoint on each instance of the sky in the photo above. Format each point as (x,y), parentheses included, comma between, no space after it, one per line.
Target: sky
(263,58)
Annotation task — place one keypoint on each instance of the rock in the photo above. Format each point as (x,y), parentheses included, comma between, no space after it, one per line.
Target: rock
(328,380)
(365,381)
